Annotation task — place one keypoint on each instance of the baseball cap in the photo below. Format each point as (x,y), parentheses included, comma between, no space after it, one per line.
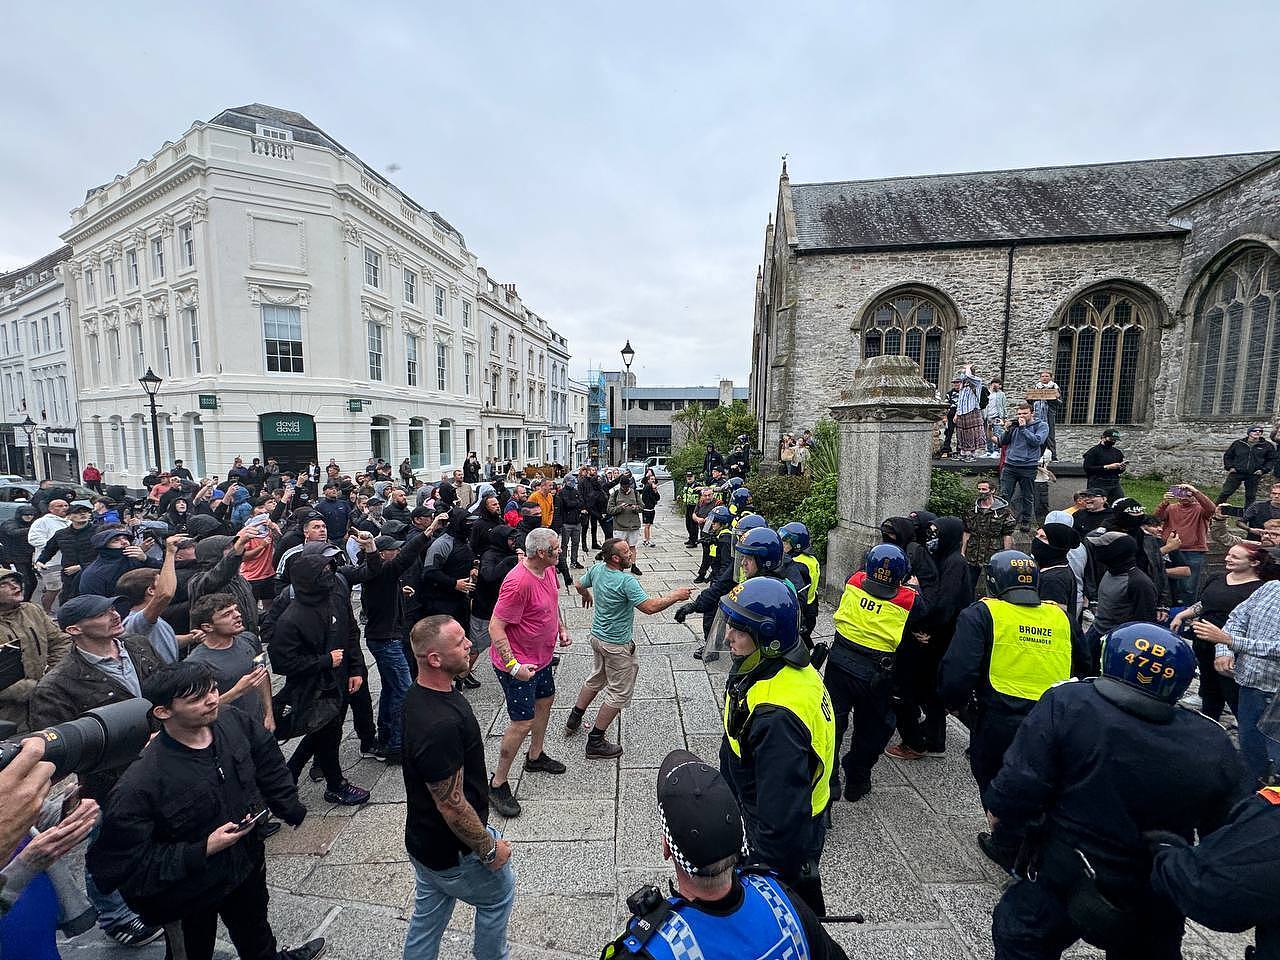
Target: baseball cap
(1111,433)
(1093,492)
(701,821)
(388,543)
(324,549)
(79,508)
(1129,507)
(82,608)
(201,525)
(7,571)
(419,512)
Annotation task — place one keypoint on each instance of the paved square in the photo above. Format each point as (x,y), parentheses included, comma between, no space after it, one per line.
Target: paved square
(905,857)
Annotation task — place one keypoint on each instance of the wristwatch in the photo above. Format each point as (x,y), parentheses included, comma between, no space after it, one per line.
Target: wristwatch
(488,858)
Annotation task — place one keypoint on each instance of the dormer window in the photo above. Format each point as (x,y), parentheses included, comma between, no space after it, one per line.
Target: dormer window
(274,133)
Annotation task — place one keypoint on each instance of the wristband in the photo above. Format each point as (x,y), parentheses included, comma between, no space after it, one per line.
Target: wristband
(509,664)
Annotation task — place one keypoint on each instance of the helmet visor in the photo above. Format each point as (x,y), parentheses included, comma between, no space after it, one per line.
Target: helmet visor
(715,648)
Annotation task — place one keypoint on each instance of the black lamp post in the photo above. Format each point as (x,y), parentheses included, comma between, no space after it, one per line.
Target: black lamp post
(151,384)
(627,356)
(29,428)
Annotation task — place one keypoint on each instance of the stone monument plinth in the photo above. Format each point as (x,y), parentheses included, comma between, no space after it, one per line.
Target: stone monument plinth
(886,444)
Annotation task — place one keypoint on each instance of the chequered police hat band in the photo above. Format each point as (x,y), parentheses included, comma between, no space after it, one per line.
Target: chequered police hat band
(678,855)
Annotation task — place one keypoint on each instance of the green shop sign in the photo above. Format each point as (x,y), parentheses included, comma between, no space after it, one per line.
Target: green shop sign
(208,401)
(288,426)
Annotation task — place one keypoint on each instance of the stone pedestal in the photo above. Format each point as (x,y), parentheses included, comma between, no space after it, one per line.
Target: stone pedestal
(886,444)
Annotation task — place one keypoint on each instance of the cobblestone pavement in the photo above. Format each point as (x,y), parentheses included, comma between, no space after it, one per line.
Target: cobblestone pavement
(905,856)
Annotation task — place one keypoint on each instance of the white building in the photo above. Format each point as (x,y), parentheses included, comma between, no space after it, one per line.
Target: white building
(515,357)
(578,393)
(37,373)
(559,435)
(296,304)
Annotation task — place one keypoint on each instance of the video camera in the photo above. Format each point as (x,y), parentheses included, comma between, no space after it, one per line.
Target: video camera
(102,739)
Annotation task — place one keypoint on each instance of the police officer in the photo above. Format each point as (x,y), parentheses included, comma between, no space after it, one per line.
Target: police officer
(760,554)
(722,912)
(779,734)
(876,609)
(1100,762)
(722,572)
(795,544)
(739,503)
(689,497)
(1008,649)
(1228,881)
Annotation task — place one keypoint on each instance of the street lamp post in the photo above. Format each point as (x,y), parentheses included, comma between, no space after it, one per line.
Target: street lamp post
(627,356)
(151,384)
(29,428)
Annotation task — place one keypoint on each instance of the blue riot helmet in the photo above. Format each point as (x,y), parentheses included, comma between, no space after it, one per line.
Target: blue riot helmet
(741,497)
(735,483)
(887,568)
(768,610)
(1013,576)
(721,515)
(752,521)
(764,546)
(1149,659)
(796,534)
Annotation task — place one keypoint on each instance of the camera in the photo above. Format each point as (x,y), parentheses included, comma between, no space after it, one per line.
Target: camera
(102,739)
(645,900)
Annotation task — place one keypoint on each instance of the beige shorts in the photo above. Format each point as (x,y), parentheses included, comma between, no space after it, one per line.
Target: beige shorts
(51,579)
(616,668)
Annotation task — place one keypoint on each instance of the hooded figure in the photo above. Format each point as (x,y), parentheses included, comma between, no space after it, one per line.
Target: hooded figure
(447,563)
(901,532)
(178,514)
(487,511)
(1129,516)
(499,559)
(16,549)
(1125,593)
(101,575)
(1058,580)
(241,507)
(218,571)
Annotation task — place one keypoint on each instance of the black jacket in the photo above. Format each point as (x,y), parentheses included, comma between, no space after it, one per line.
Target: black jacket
(380,596)
(952,588)
(14,546)
(1099,456)
(1245,458)
(152,844)
(496,562)
(1102,776)
(570,506)
(77,550)
(393,511)
(722,567)
(302,627)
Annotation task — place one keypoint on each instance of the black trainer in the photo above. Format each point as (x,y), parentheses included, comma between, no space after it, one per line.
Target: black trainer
(311,950)
(853,792)
(544,764)
(470,682)
(134,933)
(573,722)
(501,800)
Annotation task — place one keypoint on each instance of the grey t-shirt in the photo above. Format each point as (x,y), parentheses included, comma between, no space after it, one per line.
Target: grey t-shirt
(163,639)
(232,663)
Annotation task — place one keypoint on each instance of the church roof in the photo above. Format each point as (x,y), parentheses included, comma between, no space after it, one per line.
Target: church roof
(1132,198)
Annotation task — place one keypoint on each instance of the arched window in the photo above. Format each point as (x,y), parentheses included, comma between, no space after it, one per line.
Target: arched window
(1236,339)
(446,443)
(910,324)
(417,443)
(380,438)
(1098,355)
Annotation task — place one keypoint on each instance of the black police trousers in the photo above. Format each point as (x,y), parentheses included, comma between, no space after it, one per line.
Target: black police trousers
(863,688)
(988,741)
(1031,923)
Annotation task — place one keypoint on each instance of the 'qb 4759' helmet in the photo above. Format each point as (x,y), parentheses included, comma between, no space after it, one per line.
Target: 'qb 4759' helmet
(887,567)
(1149,659)
(1014,576)
(764,545)
(796,534)
(768,610)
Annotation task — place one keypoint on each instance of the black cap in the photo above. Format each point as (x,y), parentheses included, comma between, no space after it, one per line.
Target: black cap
(1093,492)
(1111,433)
(418,512)
(82,608)
(701,821)
(388,543)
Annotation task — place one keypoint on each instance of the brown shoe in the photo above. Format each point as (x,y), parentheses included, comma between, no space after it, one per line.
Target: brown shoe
(598,748)
(900,751)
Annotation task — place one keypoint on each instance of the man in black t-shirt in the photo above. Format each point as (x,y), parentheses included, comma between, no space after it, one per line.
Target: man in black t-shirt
(455,855)
(1260,512)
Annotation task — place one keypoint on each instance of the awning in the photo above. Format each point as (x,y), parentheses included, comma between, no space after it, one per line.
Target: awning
(646,431)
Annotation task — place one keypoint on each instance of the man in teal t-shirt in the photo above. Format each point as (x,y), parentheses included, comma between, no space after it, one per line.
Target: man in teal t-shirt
(618,595)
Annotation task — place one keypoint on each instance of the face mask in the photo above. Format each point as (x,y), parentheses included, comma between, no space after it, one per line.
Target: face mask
(1046,555)
(932,544)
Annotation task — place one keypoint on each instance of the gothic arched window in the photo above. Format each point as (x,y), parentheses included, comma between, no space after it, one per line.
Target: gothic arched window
(910,324)
(1099,354)
(1236,339)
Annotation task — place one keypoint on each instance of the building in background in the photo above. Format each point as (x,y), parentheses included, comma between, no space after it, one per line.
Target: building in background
(652,411)
(37,370)
(296,304)
(559,438)
(579,431)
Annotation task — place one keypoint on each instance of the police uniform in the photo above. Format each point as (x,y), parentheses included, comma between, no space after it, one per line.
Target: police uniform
(1101,764)
(810,577)
(720,581)
(859,674)
(1008,655)
(1227,882)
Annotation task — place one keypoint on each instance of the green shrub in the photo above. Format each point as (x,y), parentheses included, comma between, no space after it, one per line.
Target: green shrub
(778,498)
(818,512)
(949,494)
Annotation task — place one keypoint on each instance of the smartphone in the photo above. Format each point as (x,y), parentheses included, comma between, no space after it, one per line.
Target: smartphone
(1230,510)
(251,821)
(260,660)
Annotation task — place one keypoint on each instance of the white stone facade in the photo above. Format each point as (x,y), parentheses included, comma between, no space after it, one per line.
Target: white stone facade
(295,303)
(578,393)
(37,370)
(560,435)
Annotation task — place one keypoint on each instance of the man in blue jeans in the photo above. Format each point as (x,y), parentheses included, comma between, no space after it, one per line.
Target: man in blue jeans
(1025,438)
(455,854)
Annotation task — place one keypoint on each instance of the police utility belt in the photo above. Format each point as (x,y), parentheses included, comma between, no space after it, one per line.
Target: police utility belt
(881,659)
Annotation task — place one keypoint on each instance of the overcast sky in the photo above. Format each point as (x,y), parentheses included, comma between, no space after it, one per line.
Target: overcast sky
(618,161)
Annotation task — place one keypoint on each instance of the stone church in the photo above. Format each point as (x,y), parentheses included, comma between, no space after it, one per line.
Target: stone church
(1151,289)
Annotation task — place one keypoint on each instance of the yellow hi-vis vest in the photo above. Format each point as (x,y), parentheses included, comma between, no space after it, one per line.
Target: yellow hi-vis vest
(815,571)
(1030,648)
(870,621)
(801,692)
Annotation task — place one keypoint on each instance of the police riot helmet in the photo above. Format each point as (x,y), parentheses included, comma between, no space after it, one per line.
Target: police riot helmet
(741,496)
(1014,576)
(887,568)
(764,545)
(768,610)
(1150,659)
(721,515)
(736,482)
(752,521)
(796,534)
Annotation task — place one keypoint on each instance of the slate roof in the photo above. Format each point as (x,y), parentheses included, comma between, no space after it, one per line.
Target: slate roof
(304,131)
(47,262)
(1040,203)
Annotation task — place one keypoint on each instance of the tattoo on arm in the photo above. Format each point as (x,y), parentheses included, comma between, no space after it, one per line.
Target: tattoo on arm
(459,814)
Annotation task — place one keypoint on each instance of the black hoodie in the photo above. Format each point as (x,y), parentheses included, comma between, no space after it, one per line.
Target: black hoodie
(954,589)
(498,559)
(14,546)
(901,532)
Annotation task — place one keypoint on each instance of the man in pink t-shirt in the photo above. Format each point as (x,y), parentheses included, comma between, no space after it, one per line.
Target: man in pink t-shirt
(524,629)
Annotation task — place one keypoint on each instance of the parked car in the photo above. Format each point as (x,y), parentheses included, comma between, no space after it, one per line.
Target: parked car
(637,469)
(659,467)
(11,478)
(13,494)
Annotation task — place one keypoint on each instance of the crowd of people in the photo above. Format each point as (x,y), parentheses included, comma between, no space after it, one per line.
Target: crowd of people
(194,595)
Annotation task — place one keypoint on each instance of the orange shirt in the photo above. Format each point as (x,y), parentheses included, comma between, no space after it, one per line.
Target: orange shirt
(546,503)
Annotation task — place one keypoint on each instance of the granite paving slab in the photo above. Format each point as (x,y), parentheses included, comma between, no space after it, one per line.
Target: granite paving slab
(650,730)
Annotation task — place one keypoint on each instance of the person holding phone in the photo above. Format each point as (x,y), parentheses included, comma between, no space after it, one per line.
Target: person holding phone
(179,838)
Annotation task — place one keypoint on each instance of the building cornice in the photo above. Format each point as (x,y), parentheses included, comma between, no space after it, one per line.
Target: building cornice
(351,195)
(112,214)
